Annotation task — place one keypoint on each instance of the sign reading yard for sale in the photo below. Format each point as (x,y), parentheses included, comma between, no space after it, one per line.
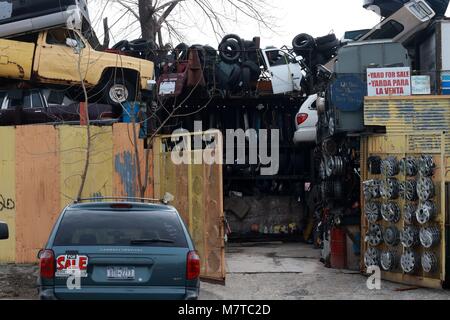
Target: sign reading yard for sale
(389,82)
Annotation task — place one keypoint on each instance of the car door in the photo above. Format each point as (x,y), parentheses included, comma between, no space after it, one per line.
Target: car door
(58,62)
(11,108)
(285,73)
(6,113)
(34,108)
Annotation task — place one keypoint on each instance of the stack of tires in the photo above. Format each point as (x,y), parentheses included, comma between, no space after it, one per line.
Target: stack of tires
(316,51)
(239,65)
(138,48)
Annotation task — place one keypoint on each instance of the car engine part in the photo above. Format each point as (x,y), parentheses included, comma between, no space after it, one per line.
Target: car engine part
(373,211)
(410,236)
(322,170)
(390,212)
(429,262)
(408,190)
(426,212)
(390,167)
(335,166)
(390,189)
(372,257)
(331,189)
(389,260)
(429,237)
(374,165)
(329,147)
(425,189)
(391,236)
(374,236)
(409,213)
(372,189)
(409,261)
(426,166)
(409,167)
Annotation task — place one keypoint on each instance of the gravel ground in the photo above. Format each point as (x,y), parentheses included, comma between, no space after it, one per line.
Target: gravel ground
(18,281)
(264,272)
(294,272)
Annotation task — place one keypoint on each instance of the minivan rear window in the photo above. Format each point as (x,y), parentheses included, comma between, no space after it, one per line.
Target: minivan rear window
(120,228)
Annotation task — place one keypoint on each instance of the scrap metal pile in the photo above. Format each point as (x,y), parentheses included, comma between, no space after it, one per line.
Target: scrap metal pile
(239,68)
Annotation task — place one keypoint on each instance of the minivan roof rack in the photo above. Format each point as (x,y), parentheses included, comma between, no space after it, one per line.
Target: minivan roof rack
(132,199)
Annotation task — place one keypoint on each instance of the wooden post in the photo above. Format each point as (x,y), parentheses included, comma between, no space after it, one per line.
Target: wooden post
(83,114)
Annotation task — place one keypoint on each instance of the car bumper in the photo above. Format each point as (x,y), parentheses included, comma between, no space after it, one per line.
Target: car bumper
(305,135)
(120,293)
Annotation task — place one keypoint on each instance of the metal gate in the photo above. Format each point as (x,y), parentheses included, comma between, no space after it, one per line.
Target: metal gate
(197,187)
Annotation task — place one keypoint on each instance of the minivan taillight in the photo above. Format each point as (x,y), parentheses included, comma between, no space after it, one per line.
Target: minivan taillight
(193,266)
(301,118)
(47,264)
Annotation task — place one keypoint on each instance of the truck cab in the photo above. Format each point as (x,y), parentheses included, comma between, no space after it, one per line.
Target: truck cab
(63,57)
(285,72)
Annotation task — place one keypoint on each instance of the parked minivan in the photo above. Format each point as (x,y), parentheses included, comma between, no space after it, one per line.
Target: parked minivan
(119,250)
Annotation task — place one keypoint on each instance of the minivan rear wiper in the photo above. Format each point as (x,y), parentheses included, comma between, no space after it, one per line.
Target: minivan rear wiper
(144,241)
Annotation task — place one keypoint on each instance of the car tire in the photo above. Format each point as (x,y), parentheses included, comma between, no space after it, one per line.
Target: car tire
(123,45)
(326,39)
(251,51)
(181,52)
(328,46)
(303,44)
(124,91)
(246,78)
(230,49)
(254,69)
(235,77)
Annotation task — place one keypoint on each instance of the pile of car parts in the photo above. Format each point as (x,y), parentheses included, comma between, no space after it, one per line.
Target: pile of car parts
(316,51)
(401,210)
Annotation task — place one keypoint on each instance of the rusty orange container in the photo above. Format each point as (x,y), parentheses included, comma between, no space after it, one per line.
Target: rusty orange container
(338,248)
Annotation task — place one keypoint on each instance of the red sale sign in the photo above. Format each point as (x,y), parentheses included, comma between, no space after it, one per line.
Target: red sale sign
(68,265)
(389,82)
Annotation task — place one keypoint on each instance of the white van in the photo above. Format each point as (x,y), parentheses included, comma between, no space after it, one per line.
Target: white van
(23,16)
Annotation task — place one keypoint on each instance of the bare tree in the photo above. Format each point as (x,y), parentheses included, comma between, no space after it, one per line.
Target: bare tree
(156,16)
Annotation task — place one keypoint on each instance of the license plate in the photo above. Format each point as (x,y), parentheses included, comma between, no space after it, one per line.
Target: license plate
(167,88)
(121,273)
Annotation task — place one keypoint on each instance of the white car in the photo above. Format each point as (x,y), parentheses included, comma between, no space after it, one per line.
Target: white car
(306,121)
(24,16)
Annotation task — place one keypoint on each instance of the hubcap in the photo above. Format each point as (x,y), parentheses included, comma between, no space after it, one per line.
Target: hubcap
(118,93)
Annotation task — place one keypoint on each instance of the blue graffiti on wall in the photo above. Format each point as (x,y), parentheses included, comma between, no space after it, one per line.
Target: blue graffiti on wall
(126,168)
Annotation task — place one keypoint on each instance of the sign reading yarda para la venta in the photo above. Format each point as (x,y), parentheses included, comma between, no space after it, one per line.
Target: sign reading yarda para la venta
(389,82)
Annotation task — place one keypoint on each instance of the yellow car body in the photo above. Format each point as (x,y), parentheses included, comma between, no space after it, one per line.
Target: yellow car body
(49,62)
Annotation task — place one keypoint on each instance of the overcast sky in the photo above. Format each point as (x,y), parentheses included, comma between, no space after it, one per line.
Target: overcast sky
(316,17)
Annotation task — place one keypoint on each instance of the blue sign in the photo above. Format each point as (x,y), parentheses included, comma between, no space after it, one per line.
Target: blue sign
(348,92)
(445,84)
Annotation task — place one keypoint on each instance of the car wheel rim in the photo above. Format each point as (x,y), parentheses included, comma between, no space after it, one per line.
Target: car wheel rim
(118,93)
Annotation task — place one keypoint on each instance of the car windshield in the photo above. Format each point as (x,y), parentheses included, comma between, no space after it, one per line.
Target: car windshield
(120,228)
